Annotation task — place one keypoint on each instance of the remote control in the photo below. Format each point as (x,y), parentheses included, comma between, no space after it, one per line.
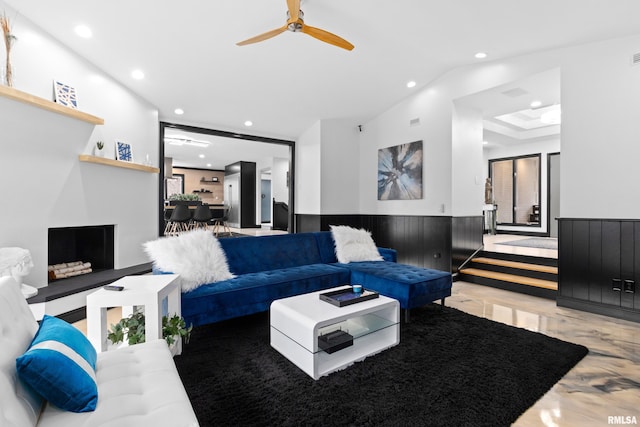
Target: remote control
(114,287)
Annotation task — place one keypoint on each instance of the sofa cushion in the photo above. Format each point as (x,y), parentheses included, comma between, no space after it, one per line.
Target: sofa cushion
(138,386)
(196,256)
(327,249)
(354,245)
(60,366)
(253,292)
(263,253)
(412,286)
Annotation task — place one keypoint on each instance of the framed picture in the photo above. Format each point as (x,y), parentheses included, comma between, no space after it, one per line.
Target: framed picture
(174,185)
(400,172)
(65,94)
(123,152)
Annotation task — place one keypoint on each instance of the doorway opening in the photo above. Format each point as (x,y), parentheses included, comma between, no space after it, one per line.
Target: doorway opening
(203,159)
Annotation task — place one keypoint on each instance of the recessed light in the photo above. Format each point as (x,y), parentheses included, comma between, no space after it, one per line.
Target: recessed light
(208,165)
(248,123)
(480,55)
(179,111)
(411,84)
(485,142)
(201,156)
(83,31)
(535,104)
(137,74)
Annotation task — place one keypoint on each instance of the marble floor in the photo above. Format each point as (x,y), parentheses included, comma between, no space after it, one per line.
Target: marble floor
(606,383)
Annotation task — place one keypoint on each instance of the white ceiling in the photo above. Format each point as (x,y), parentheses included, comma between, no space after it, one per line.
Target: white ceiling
(220,152)
(188,54)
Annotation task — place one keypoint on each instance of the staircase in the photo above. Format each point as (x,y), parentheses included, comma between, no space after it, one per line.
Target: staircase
(518,273)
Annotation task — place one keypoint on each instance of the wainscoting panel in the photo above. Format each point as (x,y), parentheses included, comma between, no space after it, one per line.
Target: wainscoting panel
(423,241)
(599,266)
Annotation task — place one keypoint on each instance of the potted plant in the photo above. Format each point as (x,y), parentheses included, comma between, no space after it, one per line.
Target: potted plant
(99,149)
(132,329)
(184,199)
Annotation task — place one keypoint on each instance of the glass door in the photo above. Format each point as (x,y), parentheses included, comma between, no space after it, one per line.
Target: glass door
(516,189)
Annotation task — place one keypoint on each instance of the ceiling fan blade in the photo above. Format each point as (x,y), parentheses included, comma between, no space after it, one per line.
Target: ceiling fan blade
(294,9)
(263,36)
(327,37)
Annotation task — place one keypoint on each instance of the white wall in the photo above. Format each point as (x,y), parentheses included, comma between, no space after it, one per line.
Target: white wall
(279,185)
(44,183)
(339,167)
(600,132)
(466,168)
(308,179)
(394,127)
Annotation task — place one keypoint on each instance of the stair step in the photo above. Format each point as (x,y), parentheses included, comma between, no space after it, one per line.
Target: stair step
(518,265)
(529,281)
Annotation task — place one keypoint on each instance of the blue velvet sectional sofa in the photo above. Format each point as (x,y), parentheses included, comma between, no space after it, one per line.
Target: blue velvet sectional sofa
(273,267)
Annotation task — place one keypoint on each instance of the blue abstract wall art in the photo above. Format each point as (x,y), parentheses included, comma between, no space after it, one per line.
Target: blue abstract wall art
(400,172)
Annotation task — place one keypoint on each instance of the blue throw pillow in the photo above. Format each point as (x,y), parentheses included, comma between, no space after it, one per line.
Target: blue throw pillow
(60,365)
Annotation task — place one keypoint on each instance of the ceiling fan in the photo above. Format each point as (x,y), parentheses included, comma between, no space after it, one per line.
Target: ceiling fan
(295,23)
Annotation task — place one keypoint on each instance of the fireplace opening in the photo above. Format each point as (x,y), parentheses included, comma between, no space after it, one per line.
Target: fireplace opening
(91,246)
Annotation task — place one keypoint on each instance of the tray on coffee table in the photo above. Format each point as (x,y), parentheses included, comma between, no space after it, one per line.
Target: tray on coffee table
(344,297)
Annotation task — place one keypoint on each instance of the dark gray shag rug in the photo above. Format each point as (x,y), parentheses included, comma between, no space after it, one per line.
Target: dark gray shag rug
(450,369)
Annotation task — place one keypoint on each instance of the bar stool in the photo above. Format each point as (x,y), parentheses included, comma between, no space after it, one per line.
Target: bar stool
(167,220)
(180,219)
(201,217)
(222,222)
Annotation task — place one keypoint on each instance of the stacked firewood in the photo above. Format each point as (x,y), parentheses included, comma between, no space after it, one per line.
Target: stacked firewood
(69,269)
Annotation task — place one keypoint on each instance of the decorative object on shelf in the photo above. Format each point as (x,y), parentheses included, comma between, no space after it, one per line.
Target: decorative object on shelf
(400,172)
(132,327)
(65,94)
(9,38)
(209,181)
(123,152)
(99,152)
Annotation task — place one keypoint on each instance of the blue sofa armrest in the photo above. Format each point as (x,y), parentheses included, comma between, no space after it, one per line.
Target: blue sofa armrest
(388,254)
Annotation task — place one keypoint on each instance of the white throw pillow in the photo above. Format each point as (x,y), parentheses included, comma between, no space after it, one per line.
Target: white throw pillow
(354,245)
(195,255)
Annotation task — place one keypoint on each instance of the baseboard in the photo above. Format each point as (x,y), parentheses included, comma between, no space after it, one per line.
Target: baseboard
(605,310)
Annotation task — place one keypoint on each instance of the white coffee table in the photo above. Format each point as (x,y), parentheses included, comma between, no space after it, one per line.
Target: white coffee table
(297,322)
(149,291)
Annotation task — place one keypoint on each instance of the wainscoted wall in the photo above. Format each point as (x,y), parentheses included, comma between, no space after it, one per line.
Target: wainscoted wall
(599,266)
(438,242)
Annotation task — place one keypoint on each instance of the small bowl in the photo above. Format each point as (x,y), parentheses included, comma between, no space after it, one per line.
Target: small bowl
(357,289)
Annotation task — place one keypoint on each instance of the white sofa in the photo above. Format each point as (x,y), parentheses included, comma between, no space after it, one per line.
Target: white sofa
(137,385)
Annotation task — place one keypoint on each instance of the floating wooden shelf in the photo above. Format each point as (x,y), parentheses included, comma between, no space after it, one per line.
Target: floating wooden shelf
(117,163)
(17,95)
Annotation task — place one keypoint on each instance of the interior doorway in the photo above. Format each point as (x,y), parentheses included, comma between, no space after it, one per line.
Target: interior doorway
(207,152)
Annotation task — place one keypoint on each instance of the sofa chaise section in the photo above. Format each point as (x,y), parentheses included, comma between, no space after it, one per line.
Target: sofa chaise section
(412,286)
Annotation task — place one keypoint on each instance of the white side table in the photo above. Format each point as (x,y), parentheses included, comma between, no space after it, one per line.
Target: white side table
(148,291)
